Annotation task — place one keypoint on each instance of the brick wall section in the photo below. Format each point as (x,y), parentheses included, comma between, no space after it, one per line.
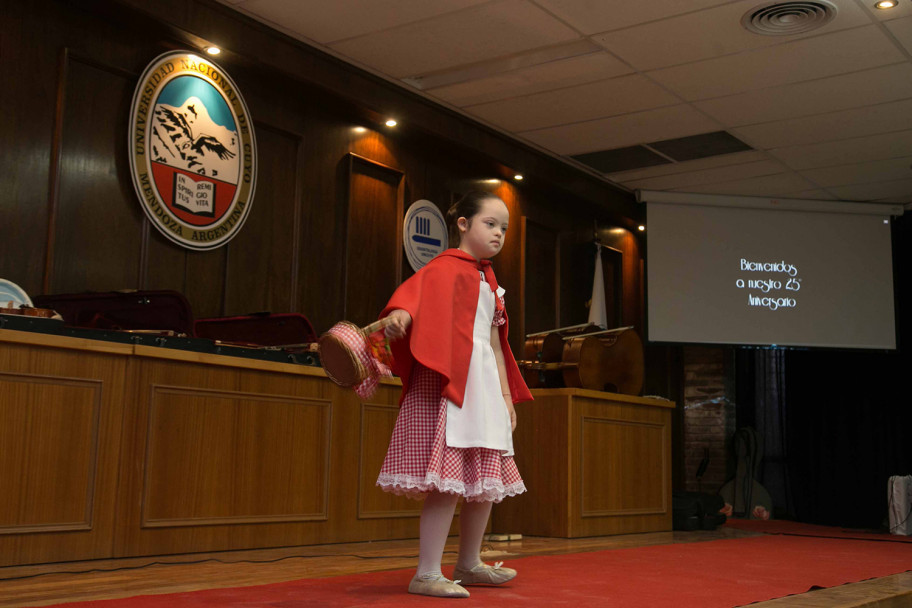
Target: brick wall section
(709,417)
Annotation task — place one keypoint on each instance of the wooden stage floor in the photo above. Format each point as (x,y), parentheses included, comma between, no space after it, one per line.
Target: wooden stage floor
(51,584)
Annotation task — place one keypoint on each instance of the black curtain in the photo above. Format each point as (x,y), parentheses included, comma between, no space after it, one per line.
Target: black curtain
(850,428)
(761,404)
(835,424)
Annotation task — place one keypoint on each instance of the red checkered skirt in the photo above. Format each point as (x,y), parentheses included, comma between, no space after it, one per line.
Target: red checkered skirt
(419,461)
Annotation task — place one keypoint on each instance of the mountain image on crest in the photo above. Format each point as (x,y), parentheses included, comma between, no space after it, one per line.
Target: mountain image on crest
(187,138)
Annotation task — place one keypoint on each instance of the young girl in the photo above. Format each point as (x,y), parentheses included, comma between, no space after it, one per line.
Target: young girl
(453,436)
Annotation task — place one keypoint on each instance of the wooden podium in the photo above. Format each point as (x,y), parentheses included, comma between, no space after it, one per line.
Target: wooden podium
(594,464)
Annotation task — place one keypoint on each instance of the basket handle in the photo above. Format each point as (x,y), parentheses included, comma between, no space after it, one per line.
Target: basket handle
(376,325)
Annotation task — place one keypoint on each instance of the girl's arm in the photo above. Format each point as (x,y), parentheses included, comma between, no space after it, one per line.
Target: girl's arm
(502,372)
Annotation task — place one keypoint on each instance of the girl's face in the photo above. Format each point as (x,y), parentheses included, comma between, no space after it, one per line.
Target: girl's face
(483,235)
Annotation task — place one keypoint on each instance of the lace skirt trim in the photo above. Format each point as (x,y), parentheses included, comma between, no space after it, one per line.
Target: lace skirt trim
(489,490)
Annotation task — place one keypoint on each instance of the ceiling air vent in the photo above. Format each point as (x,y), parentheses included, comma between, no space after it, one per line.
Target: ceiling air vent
(788,18)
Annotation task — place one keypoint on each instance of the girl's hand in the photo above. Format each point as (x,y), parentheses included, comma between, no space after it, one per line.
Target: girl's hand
(509,401)
(399,325)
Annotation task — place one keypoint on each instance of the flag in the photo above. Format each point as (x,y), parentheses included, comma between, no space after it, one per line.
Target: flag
(598,313)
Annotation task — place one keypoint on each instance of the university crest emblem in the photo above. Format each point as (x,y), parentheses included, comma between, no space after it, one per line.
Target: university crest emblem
(192,151)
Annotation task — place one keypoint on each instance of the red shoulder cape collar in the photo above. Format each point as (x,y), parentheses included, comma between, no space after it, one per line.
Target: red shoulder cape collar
(442,299)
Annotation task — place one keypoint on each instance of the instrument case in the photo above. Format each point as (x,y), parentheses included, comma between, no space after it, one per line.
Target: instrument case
(696,511)
(136,310)
(261,329)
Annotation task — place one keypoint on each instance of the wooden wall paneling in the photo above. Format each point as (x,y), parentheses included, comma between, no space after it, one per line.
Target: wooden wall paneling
(295,60)
(631,269)
(508,263)
(60,423)
(416,156)
(373,254)
(613,278)
(261,256)
(54,173)
(379,148)
(98,227)
(576,270)
(325,172)
(541,277)
(31,76)
(523,234)
(633,303)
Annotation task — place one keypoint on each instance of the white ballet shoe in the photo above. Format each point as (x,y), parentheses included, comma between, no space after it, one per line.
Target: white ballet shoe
(483,574)
(436,585)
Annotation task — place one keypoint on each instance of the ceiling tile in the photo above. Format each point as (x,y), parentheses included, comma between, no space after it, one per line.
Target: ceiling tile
(902,29)
(606,161)
(838,53)
(885,170)
(856,122)
(705,34)
(593,16)
(702,145)
(846,151)
(477,34)
(767,185)
(325,22)
(620,131)
(876,191)
(575,104)
(707,176)
(535,79)
(874,86)
(699,164)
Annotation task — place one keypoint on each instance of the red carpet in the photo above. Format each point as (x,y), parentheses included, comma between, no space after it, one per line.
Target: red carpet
(794,528)
(713,574)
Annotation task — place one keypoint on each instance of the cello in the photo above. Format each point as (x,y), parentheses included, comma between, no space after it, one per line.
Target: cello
(745,495)
(609,360)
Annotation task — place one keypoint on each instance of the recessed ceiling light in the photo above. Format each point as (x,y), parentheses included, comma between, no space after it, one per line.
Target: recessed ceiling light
(391,123)
(885,4)
(213,50)
(518,177)
(641,228)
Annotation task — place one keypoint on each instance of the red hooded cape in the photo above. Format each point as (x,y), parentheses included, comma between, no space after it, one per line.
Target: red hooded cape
(442,299)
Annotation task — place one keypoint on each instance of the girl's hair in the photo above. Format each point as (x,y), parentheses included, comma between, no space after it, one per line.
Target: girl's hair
(468,207)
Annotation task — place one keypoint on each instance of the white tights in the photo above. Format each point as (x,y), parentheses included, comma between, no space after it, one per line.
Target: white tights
(436,517)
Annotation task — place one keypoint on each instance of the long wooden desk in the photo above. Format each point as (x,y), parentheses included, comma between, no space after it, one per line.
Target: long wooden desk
(115,450)
(119,450)
(594,464)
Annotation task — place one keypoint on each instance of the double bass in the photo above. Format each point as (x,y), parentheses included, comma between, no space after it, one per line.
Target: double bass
(586,357)
(609,360)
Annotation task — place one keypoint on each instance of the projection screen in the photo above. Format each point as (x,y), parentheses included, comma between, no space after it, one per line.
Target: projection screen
(768,272)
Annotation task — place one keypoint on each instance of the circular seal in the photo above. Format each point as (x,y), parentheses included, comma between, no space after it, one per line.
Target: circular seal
(192,151)
(424,233)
